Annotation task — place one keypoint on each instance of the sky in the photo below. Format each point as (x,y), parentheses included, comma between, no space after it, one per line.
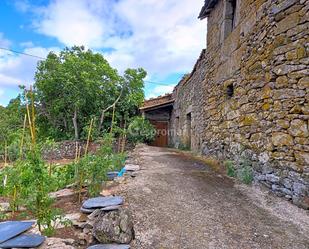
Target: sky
(162,36)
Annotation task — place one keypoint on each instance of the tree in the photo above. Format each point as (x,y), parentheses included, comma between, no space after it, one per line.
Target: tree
(74,85)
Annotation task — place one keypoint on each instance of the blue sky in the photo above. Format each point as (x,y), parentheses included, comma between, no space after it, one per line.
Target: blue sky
(164,37)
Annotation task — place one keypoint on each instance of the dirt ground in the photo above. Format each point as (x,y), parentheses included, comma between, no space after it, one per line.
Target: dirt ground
(179,202)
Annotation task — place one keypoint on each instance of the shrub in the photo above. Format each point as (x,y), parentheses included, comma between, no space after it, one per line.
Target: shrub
(230,170)
(243,172)
(141,131)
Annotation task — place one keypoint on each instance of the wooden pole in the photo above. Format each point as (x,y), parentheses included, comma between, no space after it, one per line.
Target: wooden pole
(5,153)
(76,151)
(89,135)
(32,111)
(29,120)
(22,137)
(113,118)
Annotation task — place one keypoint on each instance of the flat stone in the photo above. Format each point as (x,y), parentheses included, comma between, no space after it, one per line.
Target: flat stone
(132,167)
(87,210)
(101,202)
(24,241)
(111,208)
(10,229)
(62,193)
(109,246)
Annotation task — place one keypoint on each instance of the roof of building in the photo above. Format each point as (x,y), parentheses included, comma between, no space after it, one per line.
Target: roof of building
(160,101)
(206,9)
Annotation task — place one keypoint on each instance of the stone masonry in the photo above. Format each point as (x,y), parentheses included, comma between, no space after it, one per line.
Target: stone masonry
(247,97)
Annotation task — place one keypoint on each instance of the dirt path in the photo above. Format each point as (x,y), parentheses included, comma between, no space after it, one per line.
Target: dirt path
(178,202)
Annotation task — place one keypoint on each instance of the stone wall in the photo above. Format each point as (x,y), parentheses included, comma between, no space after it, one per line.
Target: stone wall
(263,62)
(67,150)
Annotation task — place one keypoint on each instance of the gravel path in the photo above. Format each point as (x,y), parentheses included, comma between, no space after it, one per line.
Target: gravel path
(178,202)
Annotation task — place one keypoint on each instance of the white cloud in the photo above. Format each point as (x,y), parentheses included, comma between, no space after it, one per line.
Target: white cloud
(73,22)
(19,69)
(160,90)
(162,36)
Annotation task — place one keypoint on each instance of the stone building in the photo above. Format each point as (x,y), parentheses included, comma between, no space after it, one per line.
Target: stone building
(247,98)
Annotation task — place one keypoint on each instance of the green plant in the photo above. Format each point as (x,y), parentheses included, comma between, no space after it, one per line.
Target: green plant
(230,170)
(140,130)
(245,174)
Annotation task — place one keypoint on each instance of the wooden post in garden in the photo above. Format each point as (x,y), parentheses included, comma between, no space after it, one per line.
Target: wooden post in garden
(113,118)
(89,135)
(5,153)
(22,137)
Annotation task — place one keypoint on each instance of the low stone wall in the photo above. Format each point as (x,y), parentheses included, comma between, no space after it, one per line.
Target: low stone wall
(67,150)
(249,96)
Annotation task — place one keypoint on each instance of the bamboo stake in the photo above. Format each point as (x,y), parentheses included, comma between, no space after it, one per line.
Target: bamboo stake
(32,111)
(89,135)
(22,137)
(29,120)
(76,151)
(5,153)
(124,138)
(113,118)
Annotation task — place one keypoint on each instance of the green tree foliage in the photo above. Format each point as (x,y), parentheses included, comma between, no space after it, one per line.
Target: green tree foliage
(77,85)
(141,130)
(11,123)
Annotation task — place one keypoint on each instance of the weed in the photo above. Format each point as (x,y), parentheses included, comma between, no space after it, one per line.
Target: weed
(230,168)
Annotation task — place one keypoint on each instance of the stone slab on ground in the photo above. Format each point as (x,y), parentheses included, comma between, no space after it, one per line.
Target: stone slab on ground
(101,202)
(109,246)
(62,193)
(10,229)
(24,241)
(87,210)
(132,167)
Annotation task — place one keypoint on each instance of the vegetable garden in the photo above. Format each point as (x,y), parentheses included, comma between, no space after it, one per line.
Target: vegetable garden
(76,96)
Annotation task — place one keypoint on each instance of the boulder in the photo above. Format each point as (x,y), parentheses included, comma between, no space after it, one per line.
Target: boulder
(114,227)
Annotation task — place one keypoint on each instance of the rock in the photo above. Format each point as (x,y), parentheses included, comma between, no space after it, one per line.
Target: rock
(10,229)
(111,208)
(132,167)
(5,207)
(57,243)
(302,157)
(299,188)
(100,202)
(75,219)
(112,175)
(272,178)
(282,139)
(282,6)
(62,193)
(94,214)
(298,128)
(87,210)
(302,202)
(109,246)
(285,69)
(23,241)
(115,226)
